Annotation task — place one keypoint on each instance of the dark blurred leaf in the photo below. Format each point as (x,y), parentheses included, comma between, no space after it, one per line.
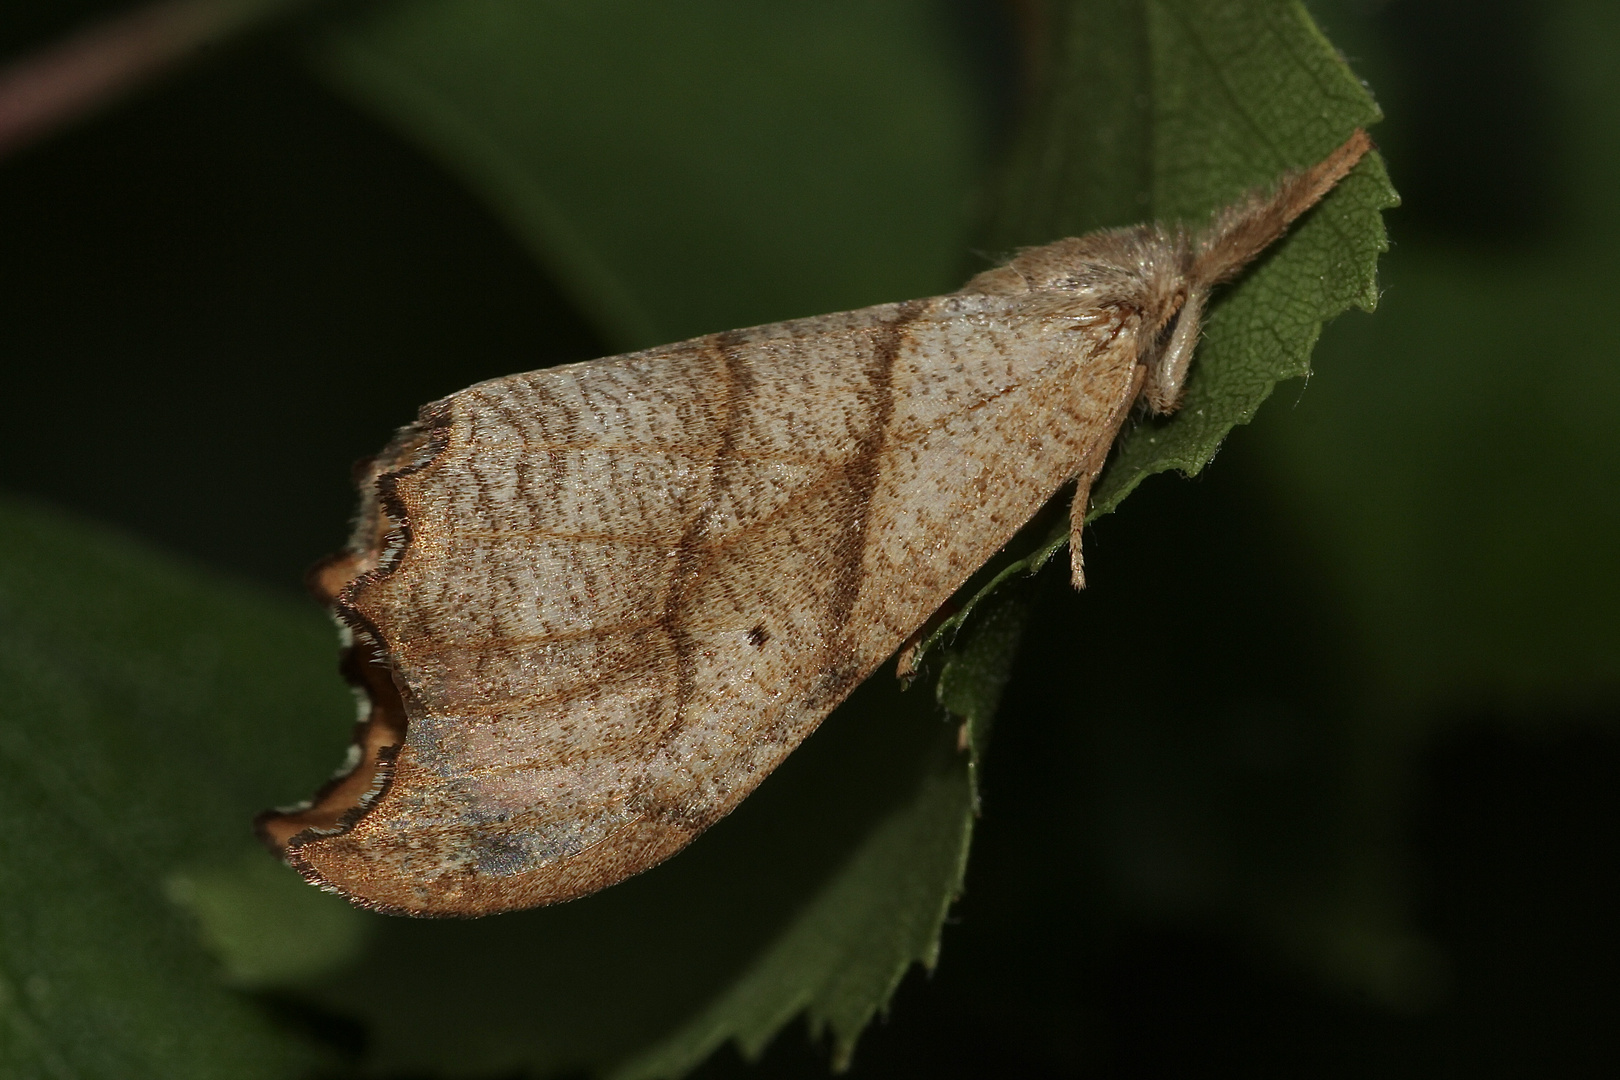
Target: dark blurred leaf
(148,711)
(688,167)
(1459,479)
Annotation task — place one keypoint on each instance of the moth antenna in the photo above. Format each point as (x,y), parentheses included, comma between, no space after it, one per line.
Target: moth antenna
(1243,230)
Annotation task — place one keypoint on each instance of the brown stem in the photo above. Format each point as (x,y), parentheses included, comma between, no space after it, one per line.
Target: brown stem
(61,82)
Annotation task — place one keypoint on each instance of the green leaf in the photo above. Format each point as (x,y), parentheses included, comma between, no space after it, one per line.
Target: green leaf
(1168,111)
(1241,93)
(148,711)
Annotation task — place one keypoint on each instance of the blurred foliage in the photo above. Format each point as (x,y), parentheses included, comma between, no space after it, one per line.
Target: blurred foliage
(1195,849)
(686,168)
(145,715)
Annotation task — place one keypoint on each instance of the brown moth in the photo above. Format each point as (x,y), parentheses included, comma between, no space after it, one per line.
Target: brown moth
(593,606)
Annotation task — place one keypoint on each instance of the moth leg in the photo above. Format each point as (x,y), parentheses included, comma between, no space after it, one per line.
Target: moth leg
(1077,521)
(1096,457)
(1168,379)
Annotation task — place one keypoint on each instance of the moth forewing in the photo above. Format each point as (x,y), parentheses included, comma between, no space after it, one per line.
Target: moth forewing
(592,607)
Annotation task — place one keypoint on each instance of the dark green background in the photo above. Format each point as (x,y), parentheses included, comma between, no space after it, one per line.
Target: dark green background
(217,295)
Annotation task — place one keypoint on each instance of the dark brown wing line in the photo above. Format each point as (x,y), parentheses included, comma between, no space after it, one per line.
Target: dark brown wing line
(840,665)
(839,661)
(691,553)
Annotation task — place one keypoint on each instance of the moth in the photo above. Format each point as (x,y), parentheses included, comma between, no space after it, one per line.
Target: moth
(591,607)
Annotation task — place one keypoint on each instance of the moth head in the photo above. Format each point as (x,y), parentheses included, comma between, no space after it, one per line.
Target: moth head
(1146,270)
(1164,275)
(1116,266)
